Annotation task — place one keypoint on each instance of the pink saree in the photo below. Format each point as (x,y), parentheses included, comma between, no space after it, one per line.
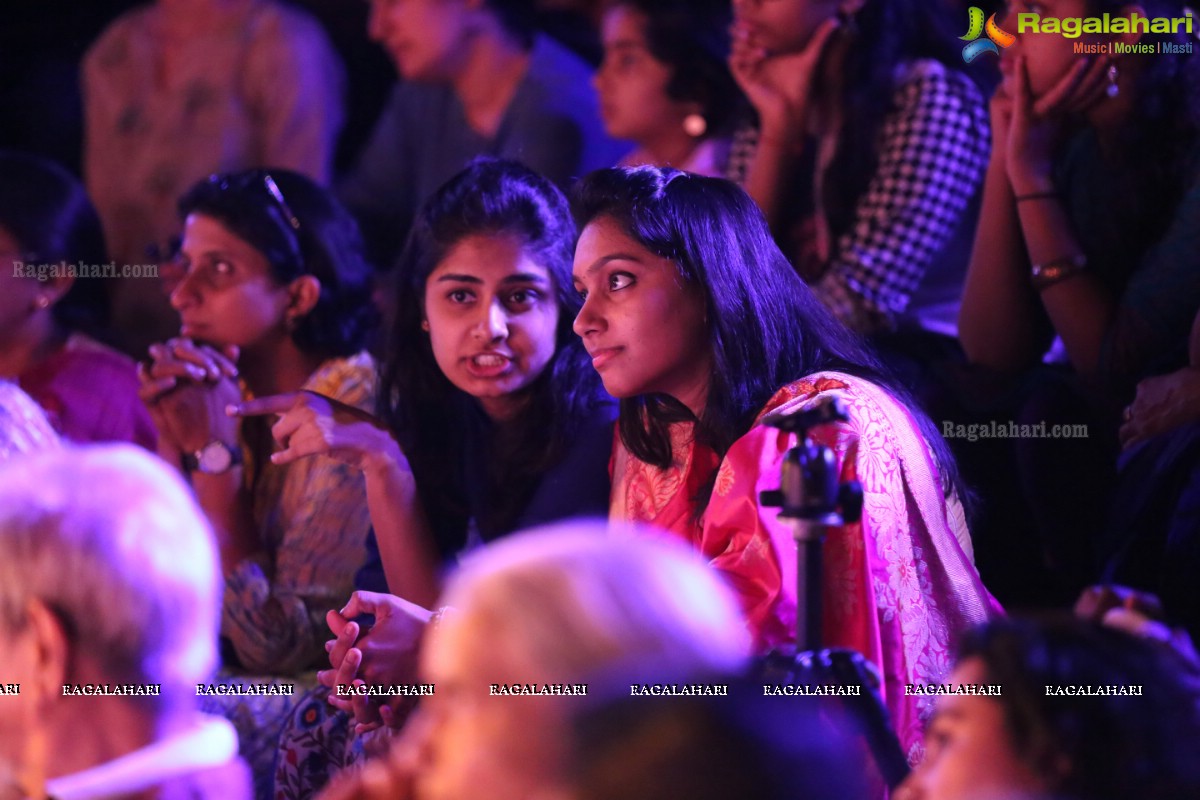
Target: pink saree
(900,585)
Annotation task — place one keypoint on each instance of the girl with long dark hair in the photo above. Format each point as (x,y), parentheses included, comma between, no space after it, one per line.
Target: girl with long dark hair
(490,419)
(696,321)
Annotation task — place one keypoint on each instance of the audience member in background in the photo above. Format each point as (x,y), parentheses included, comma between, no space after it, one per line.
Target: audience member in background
(575,23)
(178,89)
(558,606)
(276,294)
(870,149)
(1089,236)
(1137,612)
(109,577)
(23,426)
(477,80)
(491,417)
(1112,273)
(1029,742)
(712,748)
(49,231)
(1152,537)
(664,83)
(698,323)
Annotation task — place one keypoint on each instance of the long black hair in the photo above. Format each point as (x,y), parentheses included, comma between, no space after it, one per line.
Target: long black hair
(766,327)
(433,419)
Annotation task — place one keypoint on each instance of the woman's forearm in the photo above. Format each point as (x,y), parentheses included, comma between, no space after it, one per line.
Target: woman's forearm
(998,319)
(227,504)
(1079,307)
(410,561)
(774,159)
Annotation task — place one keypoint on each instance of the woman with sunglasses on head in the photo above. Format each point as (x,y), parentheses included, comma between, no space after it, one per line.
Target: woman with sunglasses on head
(698,324)
(275,298)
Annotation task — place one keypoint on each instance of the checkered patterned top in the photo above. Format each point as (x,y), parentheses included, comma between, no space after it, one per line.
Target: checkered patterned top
(932,152)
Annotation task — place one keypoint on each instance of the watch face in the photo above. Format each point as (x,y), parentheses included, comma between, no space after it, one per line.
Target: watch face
(215,458)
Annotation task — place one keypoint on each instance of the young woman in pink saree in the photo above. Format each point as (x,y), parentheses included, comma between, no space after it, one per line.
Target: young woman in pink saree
(696,321)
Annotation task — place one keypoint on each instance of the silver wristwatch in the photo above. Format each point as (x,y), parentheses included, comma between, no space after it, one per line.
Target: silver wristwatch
(215,458)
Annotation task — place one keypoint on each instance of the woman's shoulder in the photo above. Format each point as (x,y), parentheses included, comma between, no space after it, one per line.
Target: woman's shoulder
(927,80)
(349,379)
(792,396)
(90,358)
(867,405)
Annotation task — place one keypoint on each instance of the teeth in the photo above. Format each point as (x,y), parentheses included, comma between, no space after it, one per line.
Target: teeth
(489,360)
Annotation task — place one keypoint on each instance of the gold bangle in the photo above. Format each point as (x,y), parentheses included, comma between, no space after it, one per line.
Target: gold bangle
(1060,269)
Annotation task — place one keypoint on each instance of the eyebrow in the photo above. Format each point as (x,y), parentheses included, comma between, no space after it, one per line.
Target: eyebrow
(603,260)
(952,714)
(225,254)
(518,277)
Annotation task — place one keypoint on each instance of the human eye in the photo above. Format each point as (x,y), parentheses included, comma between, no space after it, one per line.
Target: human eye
(937,736)
(619,280)
(524,298)
(459,296)
(216,272)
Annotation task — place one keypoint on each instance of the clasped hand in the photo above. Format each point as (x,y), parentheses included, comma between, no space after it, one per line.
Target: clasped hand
(1026,130)
(186,387)
(779,85)
(383,655)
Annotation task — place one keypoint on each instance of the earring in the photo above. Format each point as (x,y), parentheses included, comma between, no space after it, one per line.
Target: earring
(1112,90)
(425,325)
(42,302)
(695,125)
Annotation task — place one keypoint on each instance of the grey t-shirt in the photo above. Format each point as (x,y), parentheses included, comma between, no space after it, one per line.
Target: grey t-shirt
(422,139)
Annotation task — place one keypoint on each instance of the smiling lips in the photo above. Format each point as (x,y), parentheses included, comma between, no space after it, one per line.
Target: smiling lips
(603,355)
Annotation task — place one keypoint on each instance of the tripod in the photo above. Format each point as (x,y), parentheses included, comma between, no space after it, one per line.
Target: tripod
(812,498)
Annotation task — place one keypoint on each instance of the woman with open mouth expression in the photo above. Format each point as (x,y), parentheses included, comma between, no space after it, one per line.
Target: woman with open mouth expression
(696,321)
(490,418)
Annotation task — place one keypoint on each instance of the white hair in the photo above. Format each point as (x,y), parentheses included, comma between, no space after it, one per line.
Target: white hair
(110,540)
(579,598)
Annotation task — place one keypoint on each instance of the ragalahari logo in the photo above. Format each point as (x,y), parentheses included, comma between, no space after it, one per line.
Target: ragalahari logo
(995,36)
